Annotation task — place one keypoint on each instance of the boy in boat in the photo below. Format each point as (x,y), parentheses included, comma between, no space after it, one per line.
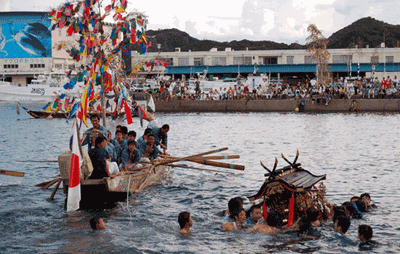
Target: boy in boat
(119,143)
(185,222)
(97,223)
(143,139)
(94,132)
(149,150)
(240,218)
(99,157)
(131,157)
(161,136)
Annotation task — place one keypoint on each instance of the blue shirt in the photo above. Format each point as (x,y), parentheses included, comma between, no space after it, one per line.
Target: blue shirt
(119,147)
(140,140)
(135,158)
(154,152)
(88,139)
(111,151)
(163,139)
(250,221)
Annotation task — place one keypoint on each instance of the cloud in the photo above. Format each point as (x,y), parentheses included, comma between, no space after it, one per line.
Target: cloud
(280,21)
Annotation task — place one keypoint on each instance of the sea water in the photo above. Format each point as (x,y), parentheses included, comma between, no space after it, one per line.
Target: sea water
(358,153)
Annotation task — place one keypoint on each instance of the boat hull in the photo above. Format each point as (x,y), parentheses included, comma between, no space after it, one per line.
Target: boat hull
(106,193)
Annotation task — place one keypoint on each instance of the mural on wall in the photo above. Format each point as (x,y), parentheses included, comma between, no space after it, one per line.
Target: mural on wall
(24,37)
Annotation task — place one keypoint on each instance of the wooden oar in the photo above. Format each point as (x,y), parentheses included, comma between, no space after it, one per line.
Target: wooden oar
(205,169)
(217,164)
(38,161)
(11,173)
(45,187)
(55,190)
(221,157)
(175,159)
(191,157)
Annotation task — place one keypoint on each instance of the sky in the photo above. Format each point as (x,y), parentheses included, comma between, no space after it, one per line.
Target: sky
(279,21)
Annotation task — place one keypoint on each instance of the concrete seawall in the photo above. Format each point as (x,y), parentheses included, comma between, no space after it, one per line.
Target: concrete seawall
(336,105)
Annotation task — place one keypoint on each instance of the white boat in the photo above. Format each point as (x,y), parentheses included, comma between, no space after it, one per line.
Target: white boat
(42,88)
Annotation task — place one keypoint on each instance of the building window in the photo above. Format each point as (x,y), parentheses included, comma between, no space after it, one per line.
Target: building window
(71,66)
(389,59)
(290,60)
(60,32)
(183,61)
(198,61)
(35,66)
(374,59)
(58,66)
(341,58)
(169,61)
(309,60)
(270,60)
(246,60)
(10,66)
(219,61)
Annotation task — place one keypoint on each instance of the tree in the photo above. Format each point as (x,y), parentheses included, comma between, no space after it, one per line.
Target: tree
(317,45)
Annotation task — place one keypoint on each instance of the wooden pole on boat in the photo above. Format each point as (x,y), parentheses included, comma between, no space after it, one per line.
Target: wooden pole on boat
(55,190)
(221,157)
(103,103)
(175,159)
(216,163)
(205,169)
(11,173)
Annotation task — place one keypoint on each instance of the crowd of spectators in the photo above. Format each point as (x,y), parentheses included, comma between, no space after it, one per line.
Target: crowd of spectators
(308,90)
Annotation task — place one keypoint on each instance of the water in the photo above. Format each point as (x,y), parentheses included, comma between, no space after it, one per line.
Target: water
(358,152)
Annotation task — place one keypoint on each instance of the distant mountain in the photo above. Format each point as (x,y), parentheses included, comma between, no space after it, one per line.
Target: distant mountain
(363,32)
(366,31)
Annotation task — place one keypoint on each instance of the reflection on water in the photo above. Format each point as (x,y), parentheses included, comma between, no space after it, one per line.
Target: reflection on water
(358,152)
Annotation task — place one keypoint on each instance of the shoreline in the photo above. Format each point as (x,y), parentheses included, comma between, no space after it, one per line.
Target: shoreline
(276,105)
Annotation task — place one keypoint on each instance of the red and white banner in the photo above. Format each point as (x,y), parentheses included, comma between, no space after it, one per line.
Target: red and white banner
(74,191)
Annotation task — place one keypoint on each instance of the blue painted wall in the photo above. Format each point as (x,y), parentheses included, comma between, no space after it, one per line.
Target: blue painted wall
(280,68)
(24,36)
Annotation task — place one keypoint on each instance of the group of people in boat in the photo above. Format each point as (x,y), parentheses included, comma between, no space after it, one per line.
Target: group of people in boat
(253,220)
(115,156)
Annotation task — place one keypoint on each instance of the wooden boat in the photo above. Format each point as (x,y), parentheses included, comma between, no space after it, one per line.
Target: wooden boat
(106,192)
(290,191)
(43,114)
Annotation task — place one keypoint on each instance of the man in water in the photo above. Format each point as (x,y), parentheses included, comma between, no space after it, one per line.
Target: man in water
(254,215)
(94,132)
(185,222)
(365,234)
(240,218)
(97,223)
